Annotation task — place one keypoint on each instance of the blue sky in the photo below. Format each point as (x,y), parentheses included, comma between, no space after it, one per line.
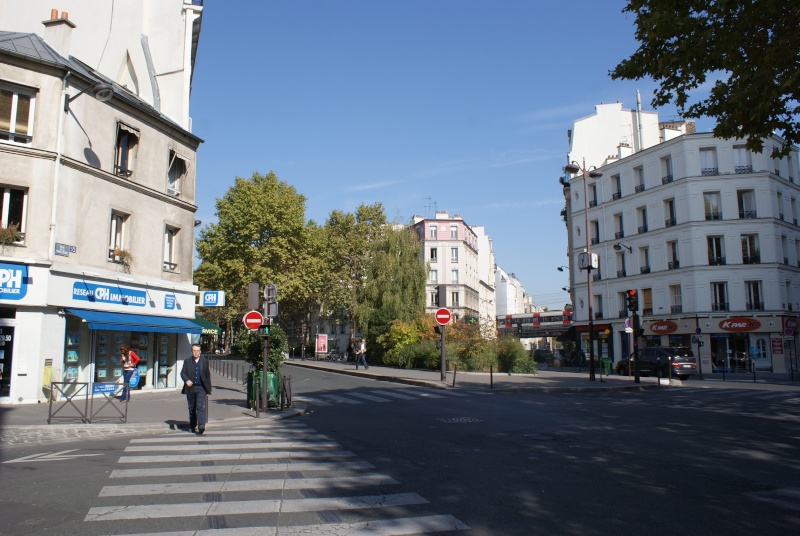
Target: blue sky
(455,105)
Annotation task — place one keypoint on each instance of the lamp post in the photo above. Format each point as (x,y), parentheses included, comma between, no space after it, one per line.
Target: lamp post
(573,168)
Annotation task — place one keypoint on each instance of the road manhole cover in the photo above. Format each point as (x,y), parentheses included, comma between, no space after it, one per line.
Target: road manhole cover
(459,420)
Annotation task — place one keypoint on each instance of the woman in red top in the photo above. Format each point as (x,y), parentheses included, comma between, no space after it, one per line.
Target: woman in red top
(129,360)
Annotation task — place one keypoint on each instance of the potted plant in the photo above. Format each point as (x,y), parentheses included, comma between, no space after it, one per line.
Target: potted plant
(9,235)
(125,258)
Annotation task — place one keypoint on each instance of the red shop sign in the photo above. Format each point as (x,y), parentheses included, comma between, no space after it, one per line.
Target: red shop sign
(739,323)
(663,326)
(791,322)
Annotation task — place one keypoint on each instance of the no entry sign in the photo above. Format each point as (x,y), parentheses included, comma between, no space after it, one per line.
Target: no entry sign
(253,320)
(442,316)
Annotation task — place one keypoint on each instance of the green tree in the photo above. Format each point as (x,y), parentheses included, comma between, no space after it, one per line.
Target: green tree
(751,46)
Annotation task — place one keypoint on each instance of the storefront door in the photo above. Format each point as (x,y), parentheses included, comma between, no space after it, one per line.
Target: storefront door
(6,354)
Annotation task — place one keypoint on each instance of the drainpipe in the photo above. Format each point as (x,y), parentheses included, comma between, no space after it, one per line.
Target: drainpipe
(57,170)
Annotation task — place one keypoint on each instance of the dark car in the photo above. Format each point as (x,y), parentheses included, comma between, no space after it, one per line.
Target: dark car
(659,359)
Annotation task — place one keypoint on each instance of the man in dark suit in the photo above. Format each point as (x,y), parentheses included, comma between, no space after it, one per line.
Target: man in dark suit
(196,386)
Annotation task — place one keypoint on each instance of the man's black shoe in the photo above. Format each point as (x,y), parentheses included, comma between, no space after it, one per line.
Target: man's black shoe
(201,429)
(193,430)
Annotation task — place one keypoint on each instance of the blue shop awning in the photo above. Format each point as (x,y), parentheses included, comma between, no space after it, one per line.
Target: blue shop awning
(126,322)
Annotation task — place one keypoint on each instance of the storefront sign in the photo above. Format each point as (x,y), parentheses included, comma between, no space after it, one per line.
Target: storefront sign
(169,301)
(108,294)
(740,323)
(777,346)
(663,326)
(212,298)
(13,281)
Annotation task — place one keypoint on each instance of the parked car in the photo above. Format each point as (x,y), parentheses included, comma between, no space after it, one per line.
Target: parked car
(543,356)
(657,359)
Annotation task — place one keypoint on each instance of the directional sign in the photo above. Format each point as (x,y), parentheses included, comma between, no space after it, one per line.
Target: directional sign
(270,293)
(271,309)
(50,456)
(442,316)
(253,320)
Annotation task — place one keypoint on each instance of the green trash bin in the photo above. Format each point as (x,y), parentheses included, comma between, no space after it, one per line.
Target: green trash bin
(254,388)
(605,362)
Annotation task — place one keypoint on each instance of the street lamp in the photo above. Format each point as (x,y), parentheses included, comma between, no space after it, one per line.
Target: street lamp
(619,245)
(591,173)
(561,268)
(99,90)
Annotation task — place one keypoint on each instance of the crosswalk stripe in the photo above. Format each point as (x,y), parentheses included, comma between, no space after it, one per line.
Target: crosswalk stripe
(221,436)
(154,511)
(395,395)
(237,469)
(226,446)
(292,454)
(337,398)
(247,485)
(369,397)
(309,400)
(428,394)
(376,527)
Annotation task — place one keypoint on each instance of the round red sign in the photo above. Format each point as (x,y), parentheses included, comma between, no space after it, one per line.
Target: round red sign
(442,316)
(253,320)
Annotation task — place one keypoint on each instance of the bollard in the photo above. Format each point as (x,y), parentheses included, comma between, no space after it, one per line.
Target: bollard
(455,371)
(491,377)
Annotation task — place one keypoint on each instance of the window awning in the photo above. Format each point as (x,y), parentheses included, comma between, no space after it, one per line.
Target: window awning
(208,327)
(126,322)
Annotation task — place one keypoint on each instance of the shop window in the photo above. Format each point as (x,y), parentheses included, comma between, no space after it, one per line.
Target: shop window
(125,153)
(13,210)
(178,165)
(16,115)
(170,249)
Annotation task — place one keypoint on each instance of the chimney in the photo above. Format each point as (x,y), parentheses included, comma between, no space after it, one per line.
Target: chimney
(58,31)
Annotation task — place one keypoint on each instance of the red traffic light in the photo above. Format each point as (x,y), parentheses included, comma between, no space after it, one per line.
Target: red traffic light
(631,292)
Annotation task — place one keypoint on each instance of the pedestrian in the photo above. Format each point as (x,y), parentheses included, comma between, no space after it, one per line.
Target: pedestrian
(361,354)
(349,351)
(128,359)
(196,386)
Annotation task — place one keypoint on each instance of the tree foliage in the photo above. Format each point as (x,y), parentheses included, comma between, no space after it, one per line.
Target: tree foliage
(752,48)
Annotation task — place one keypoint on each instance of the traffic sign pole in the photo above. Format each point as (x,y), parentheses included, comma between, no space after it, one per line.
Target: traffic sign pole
(442,317)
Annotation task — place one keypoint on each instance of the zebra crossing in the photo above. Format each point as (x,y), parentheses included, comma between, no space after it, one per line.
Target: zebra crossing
(378,395)
(277,478)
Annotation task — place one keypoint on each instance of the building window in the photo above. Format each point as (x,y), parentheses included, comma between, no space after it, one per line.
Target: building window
(713,207)
(454,299)
(676,299)
(716,252)
(619,231)
(742,162)
(592,195)
(594,231)
(434,255)
(780,205)
(454,231)
(435,299)
(644,260)
(673,261)
(453,254)
(178,166)
(116,241)
(14,210)
(125,153)
(433,276)
(170,249)
(755,300)
(616,187)
(719,297)
(747,204)
(669,213)
(432,231)
(666,169)
(750,253)
(641,214)
(621,272)
(708,162)
(16,115)
(454,277)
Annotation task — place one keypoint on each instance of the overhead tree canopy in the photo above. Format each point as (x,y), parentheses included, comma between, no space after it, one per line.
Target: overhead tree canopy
(750,47)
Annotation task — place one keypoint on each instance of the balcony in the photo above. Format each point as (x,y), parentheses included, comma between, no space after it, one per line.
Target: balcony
(742,169)
(751,259)
(639,188)
(644,270)
(716,261)
(596,276)
(619,234)
(713,216)
(642,229)
(747,215)
(598,316)
(709,171)
(595,240)
(671,222)
(719,306)
(623,313)
(122,172)
(647,311)
(666,179)
(755,306)
(620,273)
(593,203)
(675,309)
(616,195)
(169,266)
(673,265)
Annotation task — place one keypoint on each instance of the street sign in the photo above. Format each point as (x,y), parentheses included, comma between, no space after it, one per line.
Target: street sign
(212,298)
(253,320)
(442,316)
(271,309)
(270,292)
(628,327)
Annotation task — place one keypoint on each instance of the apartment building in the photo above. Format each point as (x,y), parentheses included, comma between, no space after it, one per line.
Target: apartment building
(707,232)
(97,172)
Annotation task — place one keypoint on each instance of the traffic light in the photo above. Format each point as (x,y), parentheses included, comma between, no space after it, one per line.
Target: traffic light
(632,297)
(519,327)
(437,330)
(263,331)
